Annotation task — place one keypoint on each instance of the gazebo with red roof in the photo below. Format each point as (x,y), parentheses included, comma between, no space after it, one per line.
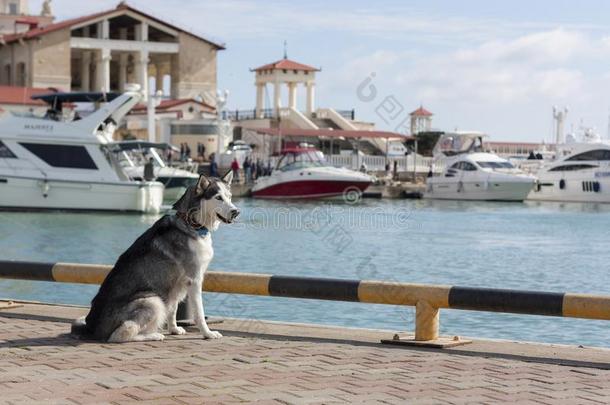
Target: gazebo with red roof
(421,120)
(285,72)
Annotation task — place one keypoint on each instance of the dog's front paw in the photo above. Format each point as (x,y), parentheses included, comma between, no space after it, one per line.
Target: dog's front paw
(212,335)
(178,330)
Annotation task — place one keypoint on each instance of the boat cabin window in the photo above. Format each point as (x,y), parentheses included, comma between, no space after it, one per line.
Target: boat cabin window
(300,160)
(466,166)
(496,165)
(66,156)
(5,152)
(568,168)
(592,155)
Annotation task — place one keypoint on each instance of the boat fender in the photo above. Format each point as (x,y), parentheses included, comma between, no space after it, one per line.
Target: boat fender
(562,184)
(45,189)
(460,187)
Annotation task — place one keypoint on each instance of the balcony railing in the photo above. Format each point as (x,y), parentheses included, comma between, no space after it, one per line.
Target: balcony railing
(243,115)
(347,114)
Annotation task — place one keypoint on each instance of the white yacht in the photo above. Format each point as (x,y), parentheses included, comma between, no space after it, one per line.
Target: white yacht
(467,172)
(62,161)
(133,156)
(579,173)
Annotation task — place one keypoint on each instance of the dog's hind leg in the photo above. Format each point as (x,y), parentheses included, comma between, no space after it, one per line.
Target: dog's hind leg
(145,317)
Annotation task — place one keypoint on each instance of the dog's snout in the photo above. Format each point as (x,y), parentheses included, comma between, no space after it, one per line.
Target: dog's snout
(234,213)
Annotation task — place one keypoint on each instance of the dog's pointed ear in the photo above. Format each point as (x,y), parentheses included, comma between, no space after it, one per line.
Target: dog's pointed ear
(202,184)
(182,205)
(228,178)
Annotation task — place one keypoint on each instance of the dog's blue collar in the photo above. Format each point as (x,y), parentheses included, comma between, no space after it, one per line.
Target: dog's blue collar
(203,231)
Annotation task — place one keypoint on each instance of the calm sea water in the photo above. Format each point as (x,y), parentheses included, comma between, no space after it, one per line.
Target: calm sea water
(551,247)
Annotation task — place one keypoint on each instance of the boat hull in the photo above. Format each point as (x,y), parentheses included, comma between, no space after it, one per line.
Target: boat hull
(302,189)
(479,191)
(576,188)
(20,193)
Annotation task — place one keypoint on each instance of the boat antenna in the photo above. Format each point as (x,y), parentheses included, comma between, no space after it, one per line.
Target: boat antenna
(608,134)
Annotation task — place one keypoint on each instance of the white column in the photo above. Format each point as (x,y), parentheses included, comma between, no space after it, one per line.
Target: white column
(260,99)
(85,71)
(123,62)
(277,98)
(159,78)
(142,32)
(103,70)
(311,93)
(103,30)
(142,72)
(292,95)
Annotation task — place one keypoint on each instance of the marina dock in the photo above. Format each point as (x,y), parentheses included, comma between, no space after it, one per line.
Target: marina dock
(278,363)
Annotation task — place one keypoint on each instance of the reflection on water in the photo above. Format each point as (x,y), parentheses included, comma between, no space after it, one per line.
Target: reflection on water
(537,246)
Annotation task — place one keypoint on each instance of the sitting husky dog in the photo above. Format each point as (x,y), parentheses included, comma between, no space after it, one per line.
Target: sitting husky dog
(162,267)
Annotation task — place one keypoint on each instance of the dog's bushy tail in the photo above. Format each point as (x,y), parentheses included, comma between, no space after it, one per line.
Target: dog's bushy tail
(80,328)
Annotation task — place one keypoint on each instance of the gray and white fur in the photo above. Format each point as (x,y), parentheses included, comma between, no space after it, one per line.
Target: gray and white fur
(162,267)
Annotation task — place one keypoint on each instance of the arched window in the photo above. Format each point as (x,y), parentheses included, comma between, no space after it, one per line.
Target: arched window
(592,155)
(21,79)
(8,78)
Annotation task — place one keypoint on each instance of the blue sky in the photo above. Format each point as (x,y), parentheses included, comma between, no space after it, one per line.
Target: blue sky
(491,66)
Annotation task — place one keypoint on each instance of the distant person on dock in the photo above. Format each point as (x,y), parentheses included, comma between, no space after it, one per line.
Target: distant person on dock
(149,170)
(248,169)
(213,166)
(259,168)
(182,152)
(235,169)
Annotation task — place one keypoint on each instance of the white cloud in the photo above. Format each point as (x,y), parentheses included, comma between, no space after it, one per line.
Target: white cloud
(544,64)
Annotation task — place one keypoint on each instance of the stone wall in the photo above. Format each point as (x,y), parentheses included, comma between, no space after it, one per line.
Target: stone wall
(194,70)
(51,60)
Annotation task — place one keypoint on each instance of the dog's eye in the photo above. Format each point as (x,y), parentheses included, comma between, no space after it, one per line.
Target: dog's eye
(219,198)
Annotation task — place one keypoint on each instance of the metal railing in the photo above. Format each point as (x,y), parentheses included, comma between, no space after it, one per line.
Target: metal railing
(243,115)
(427,299)
(378,163)
(347,114)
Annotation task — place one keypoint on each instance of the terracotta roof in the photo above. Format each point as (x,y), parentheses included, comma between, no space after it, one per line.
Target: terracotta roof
(330,133)
(169,104)
(288,65)
(27,19)
(14,95)
(37,32)
(422,112)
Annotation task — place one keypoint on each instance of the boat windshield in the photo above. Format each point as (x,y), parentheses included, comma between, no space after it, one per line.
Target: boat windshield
(496,165)
(301,160)
(456,144)
(139,157)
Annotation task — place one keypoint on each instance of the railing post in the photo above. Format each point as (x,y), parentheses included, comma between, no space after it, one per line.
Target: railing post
(426,321)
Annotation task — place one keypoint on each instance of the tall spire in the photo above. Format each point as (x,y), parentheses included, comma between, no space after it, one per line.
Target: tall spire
(285,49)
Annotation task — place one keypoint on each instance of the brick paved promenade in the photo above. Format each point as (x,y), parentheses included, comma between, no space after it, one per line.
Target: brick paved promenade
(272,363)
